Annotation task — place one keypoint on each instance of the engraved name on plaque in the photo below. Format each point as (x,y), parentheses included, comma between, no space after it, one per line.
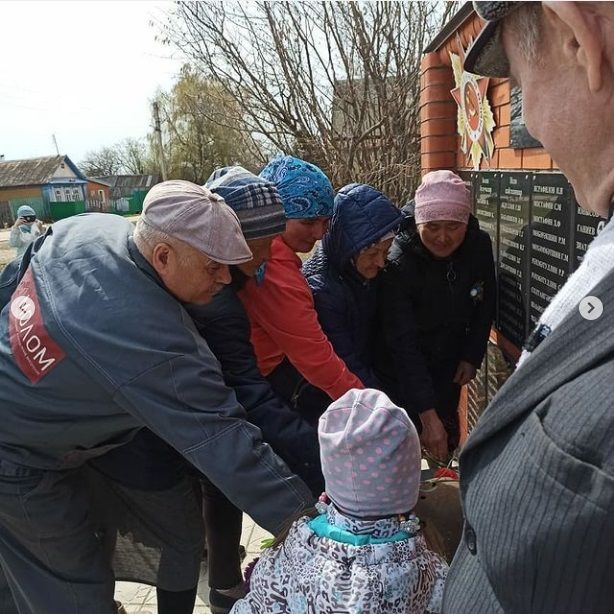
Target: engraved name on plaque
(551,242)
(513,261)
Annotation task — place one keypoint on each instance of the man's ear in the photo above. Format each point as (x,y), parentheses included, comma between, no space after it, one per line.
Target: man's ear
(160,257)
(584,36)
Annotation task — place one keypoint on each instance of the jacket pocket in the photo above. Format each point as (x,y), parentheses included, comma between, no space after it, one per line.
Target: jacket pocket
(564,507)
(577,473)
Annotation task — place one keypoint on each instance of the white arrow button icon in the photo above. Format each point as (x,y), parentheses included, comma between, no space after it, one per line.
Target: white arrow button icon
(590,308)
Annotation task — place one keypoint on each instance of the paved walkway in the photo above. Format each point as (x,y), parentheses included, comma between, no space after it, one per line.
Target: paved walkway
(141,599)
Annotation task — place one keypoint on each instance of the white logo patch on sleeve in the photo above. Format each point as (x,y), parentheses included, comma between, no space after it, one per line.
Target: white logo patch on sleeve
(35,351)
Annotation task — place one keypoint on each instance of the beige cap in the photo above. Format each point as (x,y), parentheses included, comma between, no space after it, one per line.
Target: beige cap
(196,216)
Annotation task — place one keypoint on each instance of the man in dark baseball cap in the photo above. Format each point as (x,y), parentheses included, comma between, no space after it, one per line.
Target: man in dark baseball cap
(487,56)
(537,473)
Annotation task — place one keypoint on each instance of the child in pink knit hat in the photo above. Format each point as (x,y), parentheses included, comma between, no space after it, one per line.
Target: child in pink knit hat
(362,550)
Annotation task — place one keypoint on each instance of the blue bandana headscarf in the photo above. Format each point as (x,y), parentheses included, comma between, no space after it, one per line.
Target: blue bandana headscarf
(304,189)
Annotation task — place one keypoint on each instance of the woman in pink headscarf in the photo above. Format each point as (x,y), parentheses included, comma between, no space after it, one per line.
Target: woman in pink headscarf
(437,305)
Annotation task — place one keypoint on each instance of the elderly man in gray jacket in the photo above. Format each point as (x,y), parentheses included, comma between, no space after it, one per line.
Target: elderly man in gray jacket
(94,344)
(538,471)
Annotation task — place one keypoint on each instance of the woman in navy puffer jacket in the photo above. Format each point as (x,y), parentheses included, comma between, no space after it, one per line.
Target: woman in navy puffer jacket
(343,273)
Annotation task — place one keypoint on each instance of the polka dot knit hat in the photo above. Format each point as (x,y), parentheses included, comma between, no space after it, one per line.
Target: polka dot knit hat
(370,455)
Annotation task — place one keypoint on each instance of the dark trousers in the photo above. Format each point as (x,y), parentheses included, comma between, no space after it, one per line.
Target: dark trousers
(149,470)
(223,524)
(448,397)
(49,551)
(7,603)
(298,393)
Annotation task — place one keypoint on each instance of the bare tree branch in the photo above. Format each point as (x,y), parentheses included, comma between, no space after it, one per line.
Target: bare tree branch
(334,82)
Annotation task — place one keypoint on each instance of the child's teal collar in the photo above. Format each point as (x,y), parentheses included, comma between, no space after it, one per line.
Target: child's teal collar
(337,526)
(321,527)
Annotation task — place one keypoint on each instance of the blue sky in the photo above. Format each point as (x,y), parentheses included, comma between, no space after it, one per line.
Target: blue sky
(84,71)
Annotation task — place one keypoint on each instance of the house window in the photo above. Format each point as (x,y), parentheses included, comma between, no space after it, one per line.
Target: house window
(101,196)
(66,195)
(58,195)
(76,194)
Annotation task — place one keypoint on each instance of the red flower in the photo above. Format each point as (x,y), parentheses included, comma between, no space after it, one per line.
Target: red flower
(446,472)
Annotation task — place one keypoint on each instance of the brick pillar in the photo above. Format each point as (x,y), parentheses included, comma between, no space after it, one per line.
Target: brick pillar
(438,140)
(462,414)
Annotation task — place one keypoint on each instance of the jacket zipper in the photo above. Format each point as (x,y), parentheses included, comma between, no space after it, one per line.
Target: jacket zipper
(451,277)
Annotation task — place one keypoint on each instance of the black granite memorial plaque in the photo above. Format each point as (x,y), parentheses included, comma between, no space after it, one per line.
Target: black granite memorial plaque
(513,261)
(486,205)
(587,226)
(551,242)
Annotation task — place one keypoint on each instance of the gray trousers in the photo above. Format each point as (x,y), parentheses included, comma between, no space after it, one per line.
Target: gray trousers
(51,556)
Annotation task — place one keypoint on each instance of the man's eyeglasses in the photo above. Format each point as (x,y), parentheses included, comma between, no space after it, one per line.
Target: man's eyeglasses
(29,218)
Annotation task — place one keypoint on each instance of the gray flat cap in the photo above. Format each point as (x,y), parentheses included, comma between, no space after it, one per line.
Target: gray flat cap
(198,217)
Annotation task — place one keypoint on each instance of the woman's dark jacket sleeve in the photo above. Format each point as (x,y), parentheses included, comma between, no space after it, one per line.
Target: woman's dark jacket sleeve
(400,330)
(330,303)
(225,326)
(484,312)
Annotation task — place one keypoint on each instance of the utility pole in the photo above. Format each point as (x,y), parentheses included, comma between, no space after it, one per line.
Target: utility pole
(55,142)
(158,131)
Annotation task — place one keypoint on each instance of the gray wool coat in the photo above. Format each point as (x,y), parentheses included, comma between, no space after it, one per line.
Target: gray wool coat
(537,482)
